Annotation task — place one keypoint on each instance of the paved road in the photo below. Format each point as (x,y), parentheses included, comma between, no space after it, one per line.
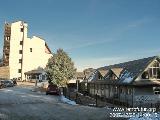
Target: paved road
(20,103)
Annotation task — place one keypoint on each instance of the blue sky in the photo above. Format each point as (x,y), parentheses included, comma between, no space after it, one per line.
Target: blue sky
(95,33)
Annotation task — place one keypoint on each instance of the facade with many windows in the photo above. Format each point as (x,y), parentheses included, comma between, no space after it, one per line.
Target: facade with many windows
(21,53)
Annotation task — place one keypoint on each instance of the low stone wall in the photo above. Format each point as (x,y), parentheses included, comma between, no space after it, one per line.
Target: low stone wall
(4,72)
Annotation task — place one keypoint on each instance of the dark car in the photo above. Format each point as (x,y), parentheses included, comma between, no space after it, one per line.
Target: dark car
(52,89)
(2,84)
(7,83)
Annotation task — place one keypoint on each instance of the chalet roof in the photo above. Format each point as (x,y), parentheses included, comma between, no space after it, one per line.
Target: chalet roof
(135,66)
(80,75)
(128,71)
(103,72)
(117,71)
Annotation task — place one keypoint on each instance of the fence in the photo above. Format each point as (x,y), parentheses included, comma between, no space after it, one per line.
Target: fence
(83,99)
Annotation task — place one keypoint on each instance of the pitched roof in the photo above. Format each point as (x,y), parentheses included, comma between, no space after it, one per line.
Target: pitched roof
(39,71)
(129,71)
(130,66)
(80,75)
(48,49)
(117,71)
(103,72)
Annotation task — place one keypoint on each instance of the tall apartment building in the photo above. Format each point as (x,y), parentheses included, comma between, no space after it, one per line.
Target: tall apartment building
(21,53)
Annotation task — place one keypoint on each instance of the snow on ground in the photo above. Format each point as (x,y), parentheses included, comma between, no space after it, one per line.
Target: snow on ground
(147,116)
(20,103)
(65,100)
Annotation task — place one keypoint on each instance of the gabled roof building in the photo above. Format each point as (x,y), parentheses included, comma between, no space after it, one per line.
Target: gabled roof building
(134,83)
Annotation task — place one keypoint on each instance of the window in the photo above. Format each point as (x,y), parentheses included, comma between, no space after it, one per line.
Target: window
(20,51)
(122,91)
(20,60)
(100,77)
(30,49)
(154,70)
(19,70)
(102,87)
(22,29)
(145,75)
(111,76)
(129,91)
(21,42)
(116,90)
(7,37)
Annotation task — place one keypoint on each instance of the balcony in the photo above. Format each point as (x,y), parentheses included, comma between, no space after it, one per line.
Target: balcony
(6,51)
(6,44)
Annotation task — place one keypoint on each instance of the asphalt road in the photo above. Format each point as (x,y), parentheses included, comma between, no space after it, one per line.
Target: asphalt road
(20,103)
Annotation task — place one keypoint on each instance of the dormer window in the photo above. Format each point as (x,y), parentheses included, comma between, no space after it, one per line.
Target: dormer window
(112,76)
(145,75)
(100,77)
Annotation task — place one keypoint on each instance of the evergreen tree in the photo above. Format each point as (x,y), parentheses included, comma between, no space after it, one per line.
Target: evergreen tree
(60,68)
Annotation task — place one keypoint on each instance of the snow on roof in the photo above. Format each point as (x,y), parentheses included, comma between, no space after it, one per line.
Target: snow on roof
(93,75)
(103,72)
(127,80)
(126,77)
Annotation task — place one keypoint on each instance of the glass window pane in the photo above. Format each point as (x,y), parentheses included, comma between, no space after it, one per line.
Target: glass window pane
(150,72)
(155,64)
(154,71)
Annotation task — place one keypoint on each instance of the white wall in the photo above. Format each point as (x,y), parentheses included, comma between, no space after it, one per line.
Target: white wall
(36,58)
(16,37)
(31,60)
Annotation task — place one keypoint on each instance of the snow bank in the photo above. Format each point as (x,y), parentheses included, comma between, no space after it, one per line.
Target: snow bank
(65,100)
(150,116)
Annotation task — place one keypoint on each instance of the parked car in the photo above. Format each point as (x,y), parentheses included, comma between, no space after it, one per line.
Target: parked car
(7,83)
(52,89)
(2,84)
